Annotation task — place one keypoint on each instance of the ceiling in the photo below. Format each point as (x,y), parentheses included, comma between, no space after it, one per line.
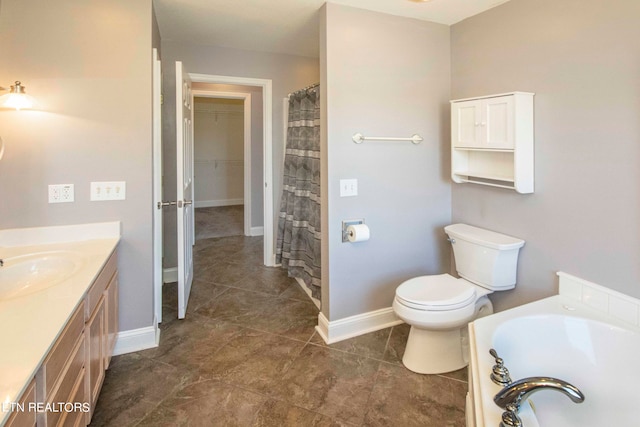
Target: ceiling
(286,26)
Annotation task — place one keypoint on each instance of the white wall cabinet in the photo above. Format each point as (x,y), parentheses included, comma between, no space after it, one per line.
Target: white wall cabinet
(492,141)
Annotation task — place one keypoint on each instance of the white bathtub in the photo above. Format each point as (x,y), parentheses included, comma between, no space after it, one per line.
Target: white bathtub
(563,338)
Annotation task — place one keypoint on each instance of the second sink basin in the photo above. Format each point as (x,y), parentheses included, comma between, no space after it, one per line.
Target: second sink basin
(26,274)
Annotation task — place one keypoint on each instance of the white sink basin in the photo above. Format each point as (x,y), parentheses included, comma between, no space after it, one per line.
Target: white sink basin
(27,274)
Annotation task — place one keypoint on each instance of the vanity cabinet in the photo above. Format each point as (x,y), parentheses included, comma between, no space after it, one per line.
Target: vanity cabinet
(492,141)
(73,370)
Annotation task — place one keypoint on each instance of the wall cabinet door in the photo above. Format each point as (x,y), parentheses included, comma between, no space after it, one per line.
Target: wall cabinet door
(497,123)
(466,117)
(483,123)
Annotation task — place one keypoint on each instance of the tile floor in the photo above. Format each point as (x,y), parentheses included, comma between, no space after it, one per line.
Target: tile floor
(220,221)
(247,355)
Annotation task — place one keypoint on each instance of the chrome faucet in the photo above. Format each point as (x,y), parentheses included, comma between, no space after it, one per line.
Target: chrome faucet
(518,391)
(510,397)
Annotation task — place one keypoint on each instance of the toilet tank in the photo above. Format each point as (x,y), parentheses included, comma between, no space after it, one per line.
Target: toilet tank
(484,257)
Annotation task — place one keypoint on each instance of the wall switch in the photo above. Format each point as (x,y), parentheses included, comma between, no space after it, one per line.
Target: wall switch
(348,187)
(111,190)
(61,193)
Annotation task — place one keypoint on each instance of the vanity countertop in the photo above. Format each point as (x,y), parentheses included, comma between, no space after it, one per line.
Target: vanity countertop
(30,324)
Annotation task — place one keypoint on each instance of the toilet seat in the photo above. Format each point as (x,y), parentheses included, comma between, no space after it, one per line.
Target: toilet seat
(441,292)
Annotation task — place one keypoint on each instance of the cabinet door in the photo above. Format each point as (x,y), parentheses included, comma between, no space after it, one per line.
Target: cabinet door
(465,124)
(95,355)
(497,123)
(27,417)
(111,323)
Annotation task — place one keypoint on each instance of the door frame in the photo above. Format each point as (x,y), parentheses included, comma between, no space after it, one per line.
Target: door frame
(157,187)
(267,149)
(246,97)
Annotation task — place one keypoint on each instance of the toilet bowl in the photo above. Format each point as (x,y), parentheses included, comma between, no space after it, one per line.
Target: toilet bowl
(439,307)
(438,321)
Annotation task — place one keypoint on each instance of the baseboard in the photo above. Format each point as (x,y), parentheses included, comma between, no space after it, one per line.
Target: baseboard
(360,324)
(217,203)
(256,231)
(170,275)
(137,339)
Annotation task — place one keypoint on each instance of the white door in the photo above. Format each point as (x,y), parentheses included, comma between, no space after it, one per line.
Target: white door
(157,187)
(184,158)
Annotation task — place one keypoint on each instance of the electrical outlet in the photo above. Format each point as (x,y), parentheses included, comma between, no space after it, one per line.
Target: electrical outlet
(61,193)
(111,190)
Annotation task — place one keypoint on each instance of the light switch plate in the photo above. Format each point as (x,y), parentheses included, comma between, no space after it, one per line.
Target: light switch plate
(348,187)
(108,190)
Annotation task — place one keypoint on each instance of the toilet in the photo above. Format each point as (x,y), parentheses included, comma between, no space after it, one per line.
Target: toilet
(439,307)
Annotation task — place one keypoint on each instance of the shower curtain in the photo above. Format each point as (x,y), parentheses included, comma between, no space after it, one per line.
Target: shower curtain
(298,239)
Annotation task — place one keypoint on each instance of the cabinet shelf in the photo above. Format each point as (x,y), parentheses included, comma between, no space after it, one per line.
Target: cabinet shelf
(481,175)
(495,150)
(492,141)
(490,184)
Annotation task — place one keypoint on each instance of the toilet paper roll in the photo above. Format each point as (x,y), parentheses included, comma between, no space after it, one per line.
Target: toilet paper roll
(358,233)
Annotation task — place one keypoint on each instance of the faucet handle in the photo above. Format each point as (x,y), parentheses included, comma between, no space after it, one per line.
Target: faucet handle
(499,373)
(510,417)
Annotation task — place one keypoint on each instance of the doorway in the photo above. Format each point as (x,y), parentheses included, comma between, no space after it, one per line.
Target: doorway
(224,195)
(266,180)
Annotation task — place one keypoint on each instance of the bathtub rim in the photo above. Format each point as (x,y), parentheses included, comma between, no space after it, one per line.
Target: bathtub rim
(481,331)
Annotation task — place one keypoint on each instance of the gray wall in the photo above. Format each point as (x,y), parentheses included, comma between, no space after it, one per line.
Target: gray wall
(383,75)
(156,40)
(582,59)
(92,123)
(287,72)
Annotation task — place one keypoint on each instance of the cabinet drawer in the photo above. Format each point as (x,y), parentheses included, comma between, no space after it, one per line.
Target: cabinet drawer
(26,417)
(100,284)
(54,365)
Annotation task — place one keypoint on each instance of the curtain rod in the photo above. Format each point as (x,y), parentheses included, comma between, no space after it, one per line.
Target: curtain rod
(305,88)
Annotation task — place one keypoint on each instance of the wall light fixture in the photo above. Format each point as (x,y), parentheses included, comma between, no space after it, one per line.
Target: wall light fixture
(16,98)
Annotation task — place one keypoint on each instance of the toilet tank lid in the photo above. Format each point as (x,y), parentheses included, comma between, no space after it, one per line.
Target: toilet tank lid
(483,237)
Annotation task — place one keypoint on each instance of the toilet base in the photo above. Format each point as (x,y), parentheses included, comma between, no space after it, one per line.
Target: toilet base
(435,352)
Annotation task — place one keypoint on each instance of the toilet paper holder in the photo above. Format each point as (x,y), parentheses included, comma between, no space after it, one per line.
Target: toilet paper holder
(345,224)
